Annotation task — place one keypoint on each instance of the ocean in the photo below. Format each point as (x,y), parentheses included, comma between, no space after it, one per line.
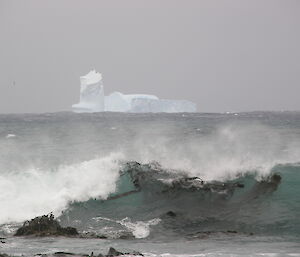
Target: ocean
(184,184)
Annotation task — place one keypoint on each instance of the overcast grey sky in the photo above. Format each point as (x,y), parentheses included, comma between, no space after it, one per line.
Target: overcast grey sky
(227,55)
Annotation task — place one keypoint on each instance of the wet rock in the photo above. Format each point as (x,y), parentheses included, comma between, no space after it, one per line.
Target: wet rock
(45,225)
(113,252)
(125,235)
(101,237)
(136,253)
(117,235)
(63,253)
(171,214)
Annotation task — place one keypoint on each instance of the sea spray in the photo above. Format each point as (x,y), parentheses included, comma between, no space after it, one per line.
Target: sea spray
(34,192)
(226,152)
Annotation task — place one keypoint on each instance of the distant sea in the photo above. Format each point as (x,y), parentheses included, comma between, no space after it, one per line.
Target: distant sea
(184,184)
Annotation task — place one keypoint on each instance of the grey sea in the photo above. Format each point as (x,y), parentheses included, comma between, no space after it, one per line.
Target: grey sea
(184,184)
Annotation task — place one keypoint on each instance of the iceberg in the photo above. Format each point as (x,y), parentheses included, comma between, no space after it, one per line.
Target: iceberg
(91,93)
(92,99)
(118,102)
(162,105)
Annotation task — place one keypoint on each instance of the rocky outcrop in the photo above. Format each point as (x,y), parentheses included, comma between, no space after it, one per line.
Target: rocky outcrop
(45,225)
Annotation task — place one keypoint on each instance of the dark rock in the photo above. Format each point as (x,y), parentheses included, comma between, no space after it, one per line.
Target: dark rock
(275,178)
(240,185)
(3,255)
(68,231)
(64,253)
(113,252)
(45,225)
(119,235)
(136,253)
(232,231)
(126,236)
(101,236)
(171,214)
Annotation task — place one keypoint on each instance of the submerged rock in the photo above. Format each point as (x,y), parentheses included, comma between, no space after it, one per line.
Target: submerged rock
(45,225)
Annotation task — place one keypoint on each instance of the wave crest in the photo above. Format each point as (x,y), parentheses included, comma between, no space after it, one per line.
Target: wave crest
(33,192)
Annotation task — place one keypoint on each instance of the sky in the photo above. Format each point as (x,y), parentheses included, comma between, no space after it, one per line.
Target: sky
(226,55)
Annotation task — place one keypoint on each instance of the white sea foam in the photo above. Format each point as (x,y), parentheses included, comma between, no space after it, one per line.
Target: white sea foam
(140,229)
(10,135)
(35,192)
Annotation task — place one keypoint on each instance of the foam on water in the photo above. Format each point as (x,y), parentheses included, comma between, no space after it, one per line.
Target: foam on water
(139,229)
(10,135)
(24,195)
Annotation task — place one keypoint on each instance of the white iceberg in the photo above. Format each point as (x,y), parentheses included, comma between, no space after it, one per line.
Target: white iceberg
(162,105)
(118,102)
(92,99)
(91,93)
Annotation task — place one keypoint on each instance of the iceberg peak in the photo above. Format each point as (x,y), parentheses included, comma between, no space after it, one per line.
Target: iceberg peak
(92,77)
(91,93)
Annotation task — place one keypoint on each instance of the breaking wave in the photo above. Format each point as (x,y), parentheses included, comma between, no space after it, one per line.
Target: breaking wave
(33,192)
(230,179)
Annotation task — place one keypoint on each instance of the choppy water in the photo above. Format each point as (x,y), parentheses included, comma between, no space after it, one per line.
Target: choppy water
(76,166)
